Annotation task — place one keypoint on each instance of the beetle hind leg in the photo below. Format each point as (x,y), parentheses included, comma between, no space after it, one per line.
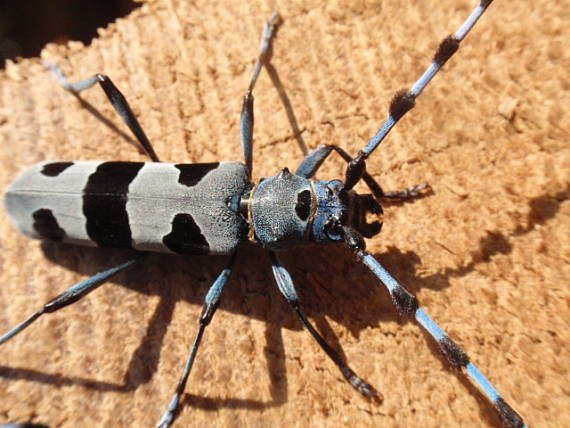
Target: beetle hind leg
(116,98)
(211,303)
(71,295)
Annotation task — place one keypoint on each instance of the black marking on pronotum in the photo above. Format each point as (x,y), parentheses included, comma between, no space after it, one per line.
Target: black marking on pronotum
(303,207)
(402,102)
(186,236)
(510,418)
(453,352)
(45,224)
(446,49)
(191,174)
(53,169)
(105,201)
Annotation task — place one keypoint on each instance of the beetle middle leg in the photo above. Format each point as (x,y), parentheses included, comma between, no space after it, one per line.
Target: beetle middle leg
(246,118)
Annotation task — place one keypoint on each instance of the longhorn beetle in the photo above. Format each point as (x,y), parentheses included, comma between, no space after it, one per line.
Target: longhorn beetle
(212,208)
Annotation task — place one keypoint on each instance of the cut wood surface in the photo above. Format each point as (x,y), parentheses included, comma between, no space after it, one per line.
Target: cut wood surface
(487,253)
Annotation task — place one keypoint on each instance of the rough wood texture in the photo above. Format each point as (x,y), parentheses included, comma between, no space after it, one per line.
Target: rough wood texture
(488,253)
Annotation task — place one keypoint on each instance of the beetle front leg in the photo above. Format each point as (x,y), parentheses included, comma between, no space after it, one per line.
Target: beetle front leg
(313,161)
(287,288)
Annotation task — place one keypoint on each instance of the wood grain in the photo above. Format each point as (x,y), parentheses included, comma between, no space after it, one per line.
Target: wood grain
(488,254)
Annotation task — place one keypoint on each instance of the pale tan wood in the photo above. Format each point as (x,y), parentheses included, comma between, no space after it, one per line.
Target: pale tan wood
(487,254)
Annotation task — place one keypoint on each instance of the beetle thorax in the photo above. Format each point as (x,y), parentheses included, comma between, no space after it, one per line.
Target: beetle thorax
(279,210)
(287,210)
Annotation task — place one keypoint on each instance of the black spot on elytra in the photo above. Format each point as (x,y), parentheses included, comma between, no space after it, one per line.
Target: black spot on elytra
(303,207)
(46,225)
(105,201)
(191,174)
(186,236)
(55,168)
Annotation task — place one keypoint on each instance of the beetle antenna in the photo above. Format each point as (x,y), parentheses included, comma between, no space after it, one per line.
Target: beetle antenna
(404,100)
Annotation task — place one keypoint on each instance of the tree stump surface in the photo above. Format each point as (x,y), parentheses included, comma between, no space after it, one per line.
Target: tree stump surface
(487,254)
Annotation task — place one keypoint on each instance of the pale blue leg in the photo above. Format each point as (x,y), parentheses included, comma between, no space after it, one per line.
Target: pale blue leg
(246,130)
(246,118)
(287,288)
(211,302)
(71,295)
(313,161)
(407,306)
(404,100)
(73,87)
(116,98)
